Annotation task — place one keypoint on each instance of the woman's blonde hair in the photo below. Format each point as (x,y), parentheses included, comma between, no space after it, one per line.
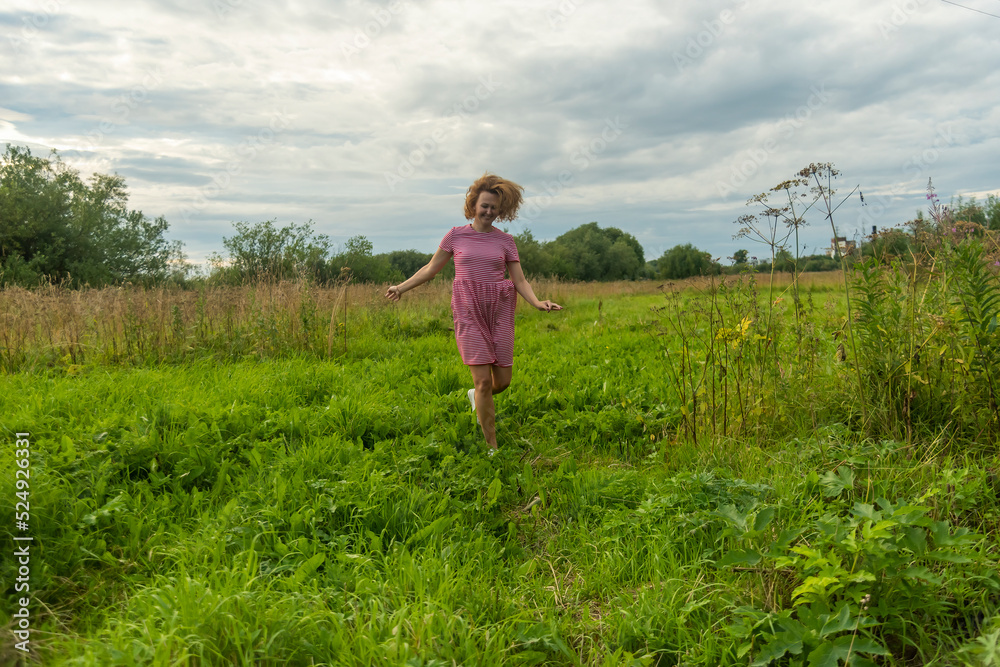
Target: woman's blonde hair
(508,192)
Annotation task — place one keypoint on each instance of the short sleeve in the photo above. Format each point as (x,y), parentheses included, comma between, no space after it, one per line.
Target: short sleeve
(448,242)
(510,251)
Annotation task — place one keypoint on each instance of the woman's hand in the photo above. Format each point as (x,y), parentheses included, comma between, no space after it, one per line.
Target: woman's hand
(423,274)
(548,306)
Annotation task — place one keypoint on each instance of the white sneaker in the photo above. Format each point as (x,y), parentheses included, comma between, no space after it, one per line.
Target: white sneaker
(472,398)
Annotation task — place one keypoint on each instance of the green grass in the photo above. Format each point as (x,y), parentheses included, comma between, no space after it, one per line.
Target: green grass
(294,509)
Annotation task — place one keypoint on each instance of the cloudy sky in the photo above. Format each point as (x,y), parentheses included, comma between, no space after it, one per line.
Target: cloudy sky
(658,117)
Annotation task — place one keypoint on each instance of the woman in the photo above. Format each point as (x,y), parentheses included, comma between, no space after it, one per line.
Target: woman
(482,301)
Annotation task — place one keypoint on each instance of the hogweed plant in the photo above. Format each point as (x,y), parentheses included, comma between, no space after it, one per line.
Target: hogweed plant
(816,174)
(917,357)
(726,366)
(733,367)
(790,213)
(769,233)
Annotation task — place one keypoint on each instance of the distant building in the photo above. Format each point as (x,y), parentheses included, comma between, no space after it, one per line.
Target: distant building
(841,245)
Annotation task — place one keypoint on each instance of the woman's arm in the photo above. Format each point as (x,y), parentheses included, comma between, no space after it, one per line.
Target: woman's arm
(422,275)
(524,288)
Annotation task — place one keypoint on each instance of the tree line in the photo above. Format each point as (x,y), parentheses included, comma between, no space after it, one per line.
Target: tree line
(56,227)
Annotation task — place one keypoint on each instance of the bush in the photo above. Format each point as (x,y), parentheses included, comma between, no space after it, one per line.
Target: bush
(686,261)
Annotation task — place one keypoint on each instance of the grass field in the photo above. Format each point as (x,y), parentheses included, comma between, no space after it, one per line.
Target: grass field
(288,475)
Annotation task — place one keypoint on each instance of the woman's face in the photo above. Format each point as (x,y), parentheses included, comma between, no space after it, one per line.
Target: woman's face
(487,207)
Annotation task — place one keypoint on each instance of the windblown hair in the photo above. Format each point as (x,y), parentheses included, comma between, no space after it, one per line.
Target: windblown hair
(508,192)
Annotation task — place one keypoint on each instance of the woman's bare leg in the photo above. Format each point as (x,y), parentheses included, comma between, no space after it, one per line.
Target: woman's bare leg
(482,379)
(489,380)
(501,377)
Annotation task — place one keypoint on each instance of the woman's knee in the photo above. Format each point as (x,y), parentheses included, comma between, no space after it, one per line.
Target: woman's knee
(501,378)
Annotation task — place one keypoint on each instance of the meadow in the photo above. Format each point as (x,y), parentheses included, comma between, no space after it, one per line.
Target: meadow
(713,472)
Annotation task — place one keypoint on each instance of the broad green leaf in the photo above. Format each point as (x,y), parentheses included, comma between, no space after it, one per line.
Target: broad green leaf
(943,537)
(879,531)
(866,645)
(776,648)
(526,568)
(838,623)
(763,519)
(739,557)
(829,654)
(732,515)
(865,511)
(948,557)
(785,538)
(908,510)
(915,539)
(815,586)
(922,573)
(836,483)
(860,577)
(308,567)
(744,649)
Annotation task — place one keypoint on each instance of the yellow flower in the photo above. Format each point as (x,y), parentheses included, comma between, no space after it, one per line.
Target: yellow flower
(735,335)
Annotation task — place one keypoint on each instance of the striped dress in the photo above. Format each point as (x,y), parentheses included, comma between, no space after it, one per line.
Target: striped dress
(482,302)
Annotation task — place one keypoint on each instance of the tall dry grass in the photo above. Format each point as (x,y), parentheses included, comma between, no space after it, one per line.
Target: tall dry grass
(56,326)
(820,280)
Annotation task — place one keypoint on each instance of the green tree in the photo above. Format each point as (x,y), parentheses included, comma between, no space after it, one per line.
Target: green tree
(819,263)
(55,226)
(969,210)
(262,251)
(536,257)
(887,244)
(591,253)
(992,209)
(365,267)
(783,260)
(740,257)
(685,261)
(406,262)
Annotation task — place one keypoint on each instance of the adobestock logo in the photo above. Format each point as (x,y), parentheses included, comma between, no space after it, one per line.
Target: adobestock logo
(901,15)
(224,7)
(122,108)
(429,145)
(31,25)
(562,12)
(787,127)
(363,36)
(915,168)
(247,151)
(581,158)
(587,153)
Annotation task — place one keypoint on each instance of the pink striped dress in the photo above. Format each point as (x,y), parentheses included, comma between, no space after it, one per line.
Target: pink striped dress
(482,301)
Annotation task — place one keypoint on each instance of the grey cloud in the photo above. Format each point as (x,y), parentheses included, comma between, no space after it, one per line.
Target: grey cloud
(228,68)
